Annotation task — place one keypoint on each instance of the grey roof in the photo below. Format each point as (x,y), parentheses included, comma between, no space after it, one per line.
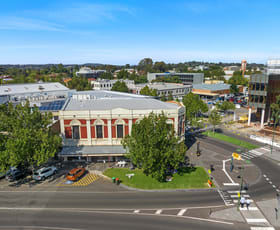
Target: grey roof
(211,87)
(11,89)
(167,86)
(98,149)
(114,103)
(97,94)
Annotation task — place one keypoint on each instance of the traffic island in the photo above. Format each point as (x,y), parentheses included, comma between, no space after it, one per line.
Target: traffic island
(186,178)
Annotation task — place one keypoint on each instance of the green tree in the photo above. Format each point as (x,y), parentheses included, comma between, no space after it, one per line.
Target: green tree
(154,147)
(26,137)
(233,89)
(160,67)
(107,75)
(238,80)
(225,106)
(120,86)
(194,105)
(214,119)
(145,65)
(163,97)
(148,91)
(170,97)
(79,83)
(123,74)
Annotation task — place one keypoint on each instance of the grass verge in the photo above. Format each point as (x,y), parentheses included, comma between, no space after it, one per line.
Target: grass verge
(232,140)
(185,179)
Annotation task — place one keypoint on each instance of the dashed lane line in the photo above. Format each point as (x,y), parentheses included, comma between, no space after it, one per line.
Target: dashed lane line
(249,209)
(262,228)
(158,212)
(256,220)
(136,211)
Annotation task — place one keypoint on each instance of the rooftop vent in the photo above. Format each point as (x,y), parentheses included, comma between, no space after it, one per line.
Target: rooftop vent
(41,87)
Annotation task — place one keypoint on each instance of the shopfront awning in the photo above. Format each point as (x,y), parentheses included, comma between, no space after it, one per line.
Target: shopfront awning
(99,150)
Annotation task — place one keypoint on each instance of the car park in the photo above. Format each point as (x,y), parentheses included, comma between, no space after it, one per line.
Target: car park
(75,174)
(43,173)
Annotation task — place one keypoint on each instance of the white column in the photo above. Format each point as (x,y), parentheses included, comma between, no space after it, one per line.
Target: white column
(62,131)
(262,118)
(234,116)
(249,116)
(130,125)
(110,131)
(176,124)
(88,132)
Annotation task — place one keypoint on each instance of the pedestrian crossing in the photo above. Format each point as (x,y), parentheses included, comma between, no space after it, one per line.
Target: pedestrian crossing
(86,180)
(251,213)
(255,153)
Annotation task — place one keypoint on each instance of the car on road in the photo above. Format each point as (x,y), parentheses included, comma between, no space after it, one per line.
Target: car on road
(43,173)
(15,174)
(75,174)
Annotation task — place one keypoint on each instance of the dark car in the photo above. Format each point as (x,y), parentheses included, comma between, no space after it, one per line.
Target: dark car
(15,175)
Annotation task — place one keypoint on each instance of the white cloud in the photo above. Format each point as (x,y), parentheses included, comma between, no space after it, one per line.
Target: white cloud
(21,23)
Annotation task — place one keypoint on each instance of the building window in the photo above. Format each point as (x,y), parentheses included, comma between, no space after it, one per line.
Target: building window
(99,131)
(119,131)
(76,132)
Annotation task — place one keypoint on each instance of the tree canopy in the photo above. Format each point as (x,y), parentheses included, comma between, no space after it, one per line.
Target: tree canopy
(193,105)
(154,147)
(120,86)
(234,88)
(225,106)
(26,138)
(79,83)
(148,91)
(238,80)
(214,118)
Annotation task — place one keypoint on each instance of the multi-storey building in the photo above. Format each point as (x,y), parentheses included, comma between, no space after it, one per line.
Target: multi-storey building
(89,73)
(263,90)
(106,84)
(93,123)
(186,78)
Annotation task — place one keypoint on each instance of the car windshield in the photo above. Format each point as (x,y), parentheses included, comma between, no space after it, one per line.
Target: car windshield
(70,174)
(36,173)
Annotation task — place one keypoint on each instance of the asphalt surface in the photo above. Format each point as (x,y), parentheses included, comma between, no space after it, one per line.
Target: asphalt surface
(64,220)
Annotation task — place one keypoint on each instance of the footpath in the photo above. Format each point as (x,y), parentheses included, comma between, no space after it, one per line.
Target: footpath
(260,215)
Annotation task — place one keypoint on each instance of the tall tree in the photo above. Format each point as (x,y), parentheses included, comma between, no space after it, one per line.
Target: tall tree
(225,106)
(120,86)
(148,91)
(214,119)
(238,80)
(107,75)
(123,74)
(233,88)
(160,67)
(26,136)
(145,65)
(170,97)
(154,147)
(194,105)
(163,97)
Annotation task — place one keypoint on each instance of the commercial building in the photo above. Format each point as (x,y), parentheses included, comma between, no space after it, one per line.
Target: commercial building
(186,78)
(93,123)
(176,90)
(263,90)
(89,73)
(106,84)
(212,91)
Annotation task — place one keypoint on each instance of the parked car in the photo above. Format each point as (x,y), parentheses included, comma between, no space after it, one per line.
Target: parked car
(15,174)
(75,174)
(43,173)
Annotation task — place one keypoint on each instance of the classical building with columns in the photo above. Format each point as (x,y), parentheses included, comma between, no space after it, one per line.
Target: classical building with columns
(263,90)
(93,123)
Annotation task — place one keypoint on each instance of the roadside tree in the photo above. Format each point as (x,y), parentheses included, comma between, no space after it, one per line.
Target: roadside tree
(214,119)
(193,105)
(148,91)
(225,106)
(26,137)
(154,147)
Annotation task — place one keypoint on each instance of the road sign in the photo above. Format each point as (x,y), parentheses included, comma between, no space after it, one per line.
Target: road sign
(236,156)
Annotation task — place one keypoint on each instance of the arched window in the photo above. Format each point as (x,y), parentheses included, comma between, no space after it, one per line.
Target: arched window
(75,124)
(120,128)
(99,128)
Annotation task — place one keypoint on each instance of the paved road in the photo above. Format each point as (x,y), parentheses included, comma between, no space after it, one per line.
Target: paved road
(64,220)
(119,200)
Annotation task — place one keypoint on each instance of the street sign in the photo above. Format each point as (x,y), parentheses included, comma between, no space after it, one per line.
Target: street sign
(236,156)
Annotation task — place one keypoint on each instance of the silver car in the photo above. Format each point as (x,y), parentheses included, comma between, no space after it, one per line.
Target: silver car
(43,173)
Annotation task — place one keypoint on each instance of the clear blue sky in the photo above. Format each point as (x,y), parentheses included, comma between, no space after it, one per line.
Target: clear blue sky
(121,32)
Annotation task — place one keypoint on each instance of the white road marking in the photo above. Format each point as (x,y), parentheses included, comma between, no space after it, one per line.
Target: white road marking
(225,171)
(236,201)
(231,184)
(136,211)
(256,152)
(270,182)
(158,212)
(256,220)
(243,191)
(267,178)
(221,195)
(250,154)
(265,149)
(245,156)
(236,196)
(273,186)
(181,213)
(264,175)
(250,209)
(277,190)
(262,228)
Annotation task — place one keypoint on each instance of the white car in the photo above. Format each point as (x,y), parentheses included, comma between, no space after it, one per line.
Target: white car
(43,173)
